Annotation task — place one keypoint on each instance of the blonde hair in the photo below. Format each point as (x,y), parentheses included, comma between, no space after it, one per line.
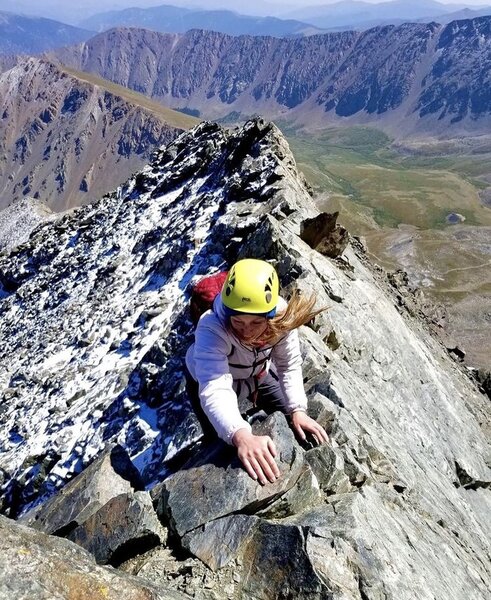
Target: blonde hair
(300,310)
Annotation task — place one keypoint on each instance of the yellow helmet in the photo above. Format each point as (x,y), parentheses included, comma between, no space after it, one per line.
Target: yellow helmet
(251,287)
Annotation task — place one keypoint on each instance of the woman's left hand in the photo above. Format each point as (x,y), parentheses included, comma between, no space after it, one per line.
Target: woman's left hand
(303,424)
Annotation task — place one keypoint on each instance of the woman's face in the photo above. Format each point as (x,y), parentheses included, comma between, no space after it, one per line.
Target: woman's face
(248,327)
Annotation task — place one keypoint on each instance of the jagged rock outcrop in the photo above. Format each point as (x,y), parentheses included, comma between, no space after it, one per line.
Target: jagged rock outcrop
(413,78)
(111,475)
(104,510)
(66,141)
(323,234)
(95,327)
(126,526)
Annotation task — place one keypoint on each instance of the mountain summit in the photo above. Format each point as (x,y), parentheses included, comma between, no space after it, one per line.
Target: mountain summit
(94,329)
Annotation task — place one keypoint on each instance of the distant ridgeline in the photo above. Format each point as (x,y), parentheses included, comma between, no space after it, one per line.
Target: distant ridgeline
(411,77)
(66,141)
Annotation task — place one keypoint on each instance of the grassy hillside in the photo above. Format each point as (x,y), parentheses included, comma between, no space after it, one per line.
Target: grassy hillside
(172,117)
(399,199)
(365,177)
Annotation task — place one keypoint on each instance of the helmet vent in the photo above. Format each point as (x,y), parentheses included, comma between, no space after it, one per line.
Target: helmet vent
(230,285)
(268,288)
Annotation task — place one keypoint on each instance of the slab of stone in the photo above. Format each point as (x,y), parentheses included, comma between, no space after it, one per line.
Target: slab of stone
(108,476)
(127,525)
(305,494)
(327,464)
(218,542)
(277,566)
(43,567)
(197,495)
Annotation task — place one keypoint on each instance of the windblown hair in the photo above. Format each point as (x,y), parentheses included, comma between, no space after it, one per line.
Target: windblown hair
(300,310)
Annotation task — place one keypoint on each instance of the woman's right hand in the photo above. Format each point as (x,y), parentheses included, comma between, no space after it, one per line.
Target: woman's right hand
(257,454)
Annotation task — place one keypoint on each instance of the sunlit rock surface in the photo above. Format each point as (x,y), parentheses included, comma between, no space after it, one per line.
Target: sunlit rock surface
(94,326)
(35,565)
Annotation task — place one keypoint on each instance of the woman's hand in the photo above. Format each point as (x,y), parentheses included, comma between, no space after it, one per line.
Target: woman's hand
(303,424)
(257,454)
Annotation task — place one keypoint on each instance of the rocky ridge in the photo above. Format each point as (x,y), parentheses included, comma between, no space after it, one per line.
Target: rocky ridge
(95,328)
(66,141)
(407,79)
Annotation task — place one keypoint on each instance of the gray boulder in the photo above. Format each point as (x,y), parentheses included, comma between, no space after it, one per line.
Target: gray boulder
(43,567)
(218,542)
(197,495)
(278,565)
(108,476)
(127,525)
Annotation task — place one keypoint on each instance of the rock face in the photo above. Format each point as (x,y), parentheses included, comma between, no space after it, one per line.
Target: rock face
(424,78)
(460,74)
(94,329)
(67,142)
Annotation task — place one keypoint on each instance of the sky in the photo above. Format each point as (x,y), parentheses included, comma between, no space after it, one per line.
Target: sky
(102,4)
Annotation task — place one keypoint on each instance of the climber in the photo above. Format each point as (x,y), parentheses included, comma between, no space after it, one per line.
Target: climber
(246,358)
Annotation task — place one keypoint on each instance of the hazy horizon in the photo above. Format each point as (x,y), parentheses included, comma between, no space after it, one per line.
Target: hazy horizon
(60,10)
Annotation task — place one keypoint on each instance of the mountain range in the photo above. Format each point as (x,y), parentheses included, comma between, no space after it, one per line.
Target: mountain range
(29,35)
(408,79)
(67,139)
(178,20)
(75,14)
(305,21)
(356,14)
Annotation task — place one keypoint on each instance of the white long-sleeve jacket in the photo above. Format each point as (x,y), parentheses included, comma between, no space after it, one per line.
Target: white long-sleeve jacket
(218,358)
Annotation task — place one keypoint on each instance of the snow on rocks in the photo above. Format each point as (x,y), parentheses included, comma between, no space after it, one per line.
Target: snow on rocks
(88,298)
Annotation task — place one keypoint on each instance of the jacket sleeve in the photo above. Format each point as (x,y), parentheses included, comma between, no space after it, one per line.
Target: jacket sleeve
(217,396)
(287,359)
